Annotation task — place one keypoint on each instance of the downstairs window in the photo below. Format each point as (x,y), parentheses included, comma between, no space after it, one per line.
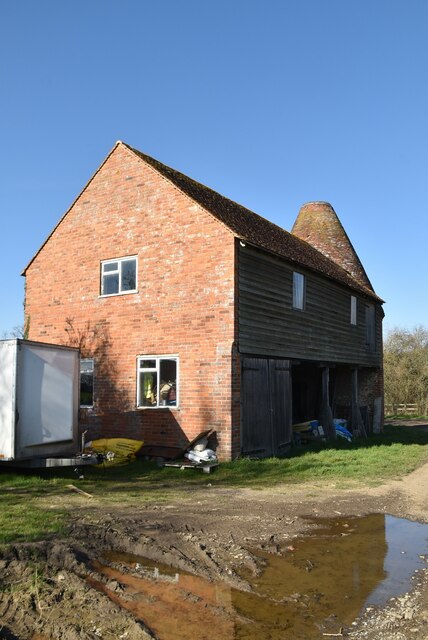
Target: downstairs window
(157,381)
(87,383)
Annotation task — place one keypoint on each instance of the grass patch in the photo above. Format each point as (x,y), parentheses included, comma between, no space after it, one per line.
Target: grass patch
(405,416)
(23,520)
(394,453)
(37,505)
(22,517)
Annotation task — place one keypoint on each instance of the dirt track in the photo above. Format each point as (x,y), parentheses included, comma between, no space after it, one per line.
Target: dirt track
(58,589)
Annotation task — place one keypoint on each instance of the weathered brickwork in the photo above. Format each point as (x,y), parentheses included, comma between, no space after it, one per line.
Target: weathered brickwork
(370,388)
(185,304)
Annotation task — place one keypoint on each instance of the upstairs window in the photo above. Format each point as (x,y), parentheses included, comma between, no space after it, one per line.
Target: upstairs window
(157,381)
(118,276)
(298,290)
(370,327)
(87,382)
(353,310)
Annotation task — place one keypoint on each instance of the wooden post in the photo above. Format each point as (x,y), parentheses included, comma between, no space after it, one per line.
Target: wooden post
(357,421)
(326,412)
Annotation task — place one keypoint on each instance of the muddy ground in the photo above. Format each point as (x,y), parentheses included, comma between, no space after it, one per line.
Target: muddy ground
(75,588)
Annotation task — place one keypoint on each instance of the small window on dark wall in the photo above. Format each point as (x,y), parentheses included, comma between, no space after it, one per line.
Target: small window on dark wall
(87,383)
(353,310)
(298,290)
(118,276)
(157,381)
(371,327)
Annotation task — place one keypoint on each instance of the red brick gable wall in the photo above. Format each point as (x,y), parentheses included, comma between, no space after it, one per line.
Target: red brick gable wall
(185,303)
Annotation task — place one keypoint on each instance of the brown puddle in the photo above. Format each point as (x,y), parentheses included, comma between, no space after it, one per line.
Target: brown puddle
(317,587)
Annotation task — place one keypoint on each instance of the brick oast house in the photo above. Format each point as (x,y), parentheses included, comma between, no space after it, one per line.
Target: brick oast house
(192,312)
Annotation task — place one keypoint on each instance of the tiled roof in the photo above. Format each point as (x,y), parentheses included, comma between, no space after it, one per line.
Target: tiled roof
(256,230)
(318,224)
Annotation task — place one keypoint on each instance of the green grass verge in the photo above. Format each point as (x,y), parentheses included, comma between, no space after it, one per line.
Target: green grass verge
(394,453)
(405,416)
(37,505)
(22,519)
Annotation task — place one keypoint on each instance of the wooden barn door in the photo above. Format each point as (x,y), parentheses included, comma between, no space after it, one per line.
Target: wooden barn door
(265,406)
(280,393)
(255,408)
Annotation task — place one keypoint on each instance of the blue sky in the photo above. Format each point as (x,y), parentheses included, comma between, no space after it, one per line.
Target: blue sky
(272,103)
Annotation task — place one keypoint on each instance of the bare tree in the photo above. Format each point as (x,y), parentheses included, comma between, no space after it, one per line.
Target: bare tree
(406,368)
(16,332)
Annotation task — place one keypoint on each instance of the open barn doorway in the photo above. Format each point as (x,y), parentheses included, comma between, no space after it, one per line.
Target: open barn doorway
(306,385)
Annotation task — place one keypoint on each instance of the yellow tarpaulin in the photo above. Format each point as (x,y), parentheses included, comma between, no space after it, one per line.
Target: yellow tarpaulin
(123,448)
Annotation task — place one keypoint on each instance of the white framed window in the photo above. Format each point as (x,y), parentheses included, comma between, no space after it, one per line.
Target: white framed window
(87,382)
(119,276)
(157,381)
(298,290)
(353,310)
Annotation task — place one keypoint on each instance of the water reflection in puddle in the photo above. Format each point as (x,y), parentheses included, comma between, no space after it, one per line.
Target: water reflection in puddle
(406,541)
(317,586)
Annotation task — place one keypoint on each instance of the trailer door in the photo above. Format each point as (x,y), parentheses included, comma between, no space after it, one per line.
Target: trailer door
(46,395)
(7,398)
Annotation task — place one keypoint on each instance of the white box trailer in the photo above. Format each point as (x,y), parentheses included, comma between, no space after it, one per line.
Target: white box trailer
(39,403)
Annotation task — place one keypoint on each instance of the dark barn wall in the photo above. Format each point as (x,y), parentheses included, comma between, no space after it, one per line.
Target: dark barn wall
(269,326)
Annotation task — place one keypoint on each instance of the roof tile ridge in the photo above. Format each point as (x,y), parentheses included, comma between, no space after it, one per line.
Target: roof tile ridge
(216,193)
(146,159)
